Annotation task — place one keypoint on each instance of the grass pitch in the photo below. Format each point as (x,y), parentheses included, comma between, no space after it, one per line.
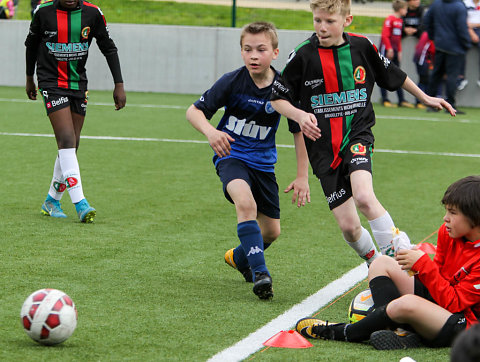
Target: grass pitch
(148,277)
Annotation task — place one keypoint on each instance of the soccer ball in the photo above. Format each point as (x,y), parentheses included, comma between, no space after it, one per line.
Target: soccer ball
(49,316)
(361,306)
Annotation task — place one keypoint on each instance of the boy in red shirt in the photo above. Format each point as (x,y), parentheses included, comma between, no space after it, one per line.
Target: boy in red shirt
(391,47)
(438,303)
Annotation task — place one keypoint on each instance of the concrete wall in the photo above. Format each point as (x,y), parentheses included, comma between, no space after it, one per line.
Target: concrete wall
(181,59)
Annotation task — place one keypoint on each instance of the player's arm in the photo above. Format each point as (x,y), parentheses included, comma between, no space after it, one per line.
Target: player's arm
(300,187)
(110,51)
(31,43)
(218,140)
(434,102)
(307,121)
(386,36)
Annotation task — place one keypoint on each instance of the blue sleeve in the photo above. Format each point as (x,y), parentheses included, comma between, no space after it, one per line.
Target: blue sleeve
(462,28)
(216,97)
(427,23)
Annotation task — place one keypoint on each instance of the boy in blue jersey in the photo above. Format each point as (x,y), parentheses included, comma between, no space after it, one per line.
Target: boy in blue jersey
(245,152)
(326,90)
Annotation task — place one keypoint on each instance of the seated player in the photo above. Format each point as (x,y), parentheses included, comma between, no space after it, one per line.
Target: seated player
(439,302)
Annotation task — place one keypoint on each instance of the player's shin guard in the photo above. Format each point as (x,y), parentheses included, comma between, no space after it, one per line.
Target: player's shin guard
(252,243)
(365,247)
(71,173)
(240,258)
(383,290)
(382,232)
(361,330)
(57,186)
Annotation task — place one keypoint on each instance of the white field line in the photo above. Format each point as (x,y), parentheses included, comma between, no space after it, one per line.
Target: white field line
(167,106)
(254,341)
(111,138)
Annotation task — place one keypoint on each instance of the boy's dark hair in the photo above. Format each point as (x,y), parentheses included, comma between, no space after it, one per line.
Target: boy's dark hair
(261,27)
(465,347)
(464,194)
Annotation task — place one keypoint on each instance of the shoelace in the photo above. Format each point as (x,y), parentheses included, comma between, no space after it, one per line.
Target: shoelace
(323,331)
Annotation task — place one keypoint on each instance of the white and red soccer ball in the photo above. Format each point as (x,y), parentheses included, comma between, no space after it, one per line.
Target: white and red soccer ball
(49,316)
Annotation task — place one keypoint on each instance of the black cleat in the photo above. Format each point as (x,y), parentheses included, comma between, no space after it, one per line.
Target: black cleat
(387,340)
(316,328)
(262,287)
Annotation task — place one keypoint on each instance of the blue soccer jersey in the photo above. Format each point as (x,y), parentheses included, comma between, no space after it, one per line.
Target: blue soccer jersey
(249,118)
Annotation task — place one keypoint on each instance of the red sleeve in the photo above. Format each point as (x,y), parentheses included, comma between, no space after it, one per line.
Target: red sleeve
(387,33)
(462,290)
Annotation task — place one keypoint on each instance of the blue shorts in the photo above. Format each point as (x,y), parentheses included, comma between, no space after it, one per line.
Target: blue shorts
(336,183)
(263,185)
(57,98)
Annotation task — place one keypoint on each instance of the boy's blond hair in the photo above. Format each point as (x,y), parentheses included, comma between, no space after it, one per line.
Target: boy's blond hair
(399,4)
(341,7)
(261,27)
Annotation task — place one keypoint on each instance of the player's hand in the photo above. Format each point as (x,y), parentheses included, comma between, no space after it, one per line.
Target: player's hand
(410,30)
(301,191)
(31,89)
(440,103)
(389,54)
(220,142)
(407,257)
(309,126)
(119,96)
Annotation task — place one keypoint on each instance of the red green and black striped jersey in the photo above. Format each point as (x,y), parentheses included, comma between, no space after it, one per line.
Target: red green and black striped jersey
(336,85)
(59,40)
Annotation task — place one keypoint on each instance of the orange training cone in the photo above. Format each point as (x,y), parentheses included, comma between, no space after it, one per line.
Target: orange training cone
(288,339)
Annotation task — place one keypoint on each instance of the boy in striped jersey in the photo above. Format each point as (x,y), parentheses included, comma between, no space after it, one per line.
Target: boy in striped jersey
(330,76)
(60,35)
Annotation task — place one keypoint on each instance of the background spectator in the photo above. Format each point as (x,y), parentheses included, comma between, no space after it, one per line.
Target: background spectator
(446,24)
(412,21)
(391,47)
(7,9)
(473,22)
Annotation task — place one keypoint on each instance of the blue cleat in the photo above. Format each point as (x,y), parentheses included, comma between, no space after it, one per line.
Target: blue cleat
(85,212)
(51,207)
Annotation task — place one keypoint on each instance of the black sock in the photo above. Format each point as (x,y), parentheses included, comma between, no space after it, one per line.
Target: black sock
(361,330)
(383,290)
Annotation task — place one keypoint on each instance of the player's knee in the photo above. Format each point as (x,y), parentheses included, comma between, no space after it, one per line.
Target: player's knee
(380,266)
(364,200)
(351,231)
(272,234)
(246,208)
(65,141)
(402,309)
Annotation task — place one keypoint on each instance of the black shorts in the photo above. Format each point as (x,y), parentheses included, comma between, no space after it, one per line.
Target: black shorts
(57,98)
(454,325)
(263,185)
(336,183)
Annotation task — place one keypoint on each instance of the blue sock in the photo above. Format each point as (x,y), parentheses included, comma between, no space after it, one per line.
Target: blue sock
(252,243)
(240,258)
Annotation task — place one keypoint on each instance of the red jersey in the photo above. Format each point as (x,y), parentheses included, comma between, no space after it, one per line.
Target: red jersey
(392,33)
(453,277)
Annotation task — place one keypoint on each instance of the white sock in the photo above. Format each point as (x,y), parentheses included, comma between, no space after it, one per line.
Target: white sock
(365,247)
(57,186)
(71,173)
(382,230)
